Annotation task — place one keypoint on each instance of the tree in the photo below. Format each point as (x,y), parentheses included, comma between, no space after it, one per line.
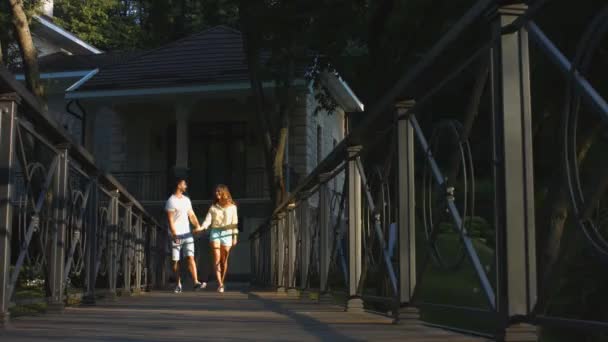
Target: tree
(107,24)
(26,46)
(291,33)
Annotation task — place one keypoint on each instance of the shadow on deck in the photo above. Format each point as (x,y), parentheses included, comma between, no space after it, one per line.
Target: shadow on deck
(236,315)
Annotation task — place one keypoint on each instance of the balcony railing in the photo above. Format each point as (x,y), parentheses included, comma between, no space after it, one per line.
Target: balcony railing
(153,186)
(145,185)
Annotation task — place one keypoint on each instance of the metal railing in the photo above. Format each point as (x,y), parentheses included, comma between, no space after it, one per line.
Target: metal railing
(67,229)
(145,185)
(154,186)
(411,207)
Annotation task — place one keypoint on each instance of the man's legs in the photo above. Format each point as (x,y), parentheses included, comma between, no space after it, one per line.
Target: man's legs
(178,280)
(189,251)
(175,256)
(192,268)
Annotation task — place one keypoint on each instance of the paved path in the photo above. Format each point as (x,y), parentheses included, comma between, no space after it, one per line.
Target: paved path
(210,316)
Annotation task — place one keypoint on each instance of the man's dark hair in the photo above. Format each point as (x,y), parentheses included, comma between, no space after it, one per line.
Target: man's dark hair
(177,181)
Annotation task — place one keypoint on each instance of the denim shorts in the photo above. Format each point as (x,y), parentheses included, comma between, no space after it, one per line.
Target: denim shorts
(185,246)
(223,236)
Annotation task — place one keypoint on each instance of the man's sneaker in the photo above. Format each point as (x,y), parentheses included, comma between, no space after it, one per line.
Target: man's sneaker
(198,286)
(178,289)
(204,285)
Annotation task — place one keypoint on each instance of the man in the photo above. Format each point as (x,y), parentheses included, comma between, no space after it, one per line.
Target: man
(180,214)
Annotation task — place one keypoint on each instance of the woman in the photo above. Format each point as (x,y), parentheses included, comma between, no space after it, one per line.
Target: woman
(222,219)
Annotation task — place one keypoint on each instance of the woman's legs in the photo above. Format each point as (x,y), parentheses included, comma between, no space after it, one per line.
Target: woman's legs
(225,253)
(217,262)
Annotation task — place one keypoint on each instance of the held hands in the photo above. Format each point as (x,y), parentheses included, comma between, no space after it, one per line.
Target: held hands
(199,229)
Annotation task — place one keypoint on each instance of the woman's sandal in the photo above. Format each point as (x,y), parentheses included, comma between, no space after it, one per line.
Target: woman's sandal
(220,289)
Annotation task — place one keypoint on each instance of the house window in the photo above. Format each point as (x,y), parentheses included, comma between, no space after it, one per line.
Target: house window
(319,144)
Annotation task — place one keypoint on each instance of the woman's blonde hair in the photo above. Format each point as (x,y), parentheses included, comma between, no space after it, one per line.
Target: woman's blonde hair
(223,189)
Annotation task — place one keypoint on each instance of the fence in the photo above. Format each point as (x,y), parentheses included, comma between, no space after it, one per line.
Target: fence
(413,223)
(67,229)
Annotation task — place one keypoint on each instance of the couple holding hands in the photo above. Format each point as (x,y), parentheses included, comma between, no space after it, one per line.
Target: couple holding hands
(222,222)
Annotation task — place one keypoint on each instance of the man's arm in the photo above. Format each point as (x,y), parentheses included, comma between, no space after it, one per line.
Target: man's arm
(206,223)
(170,215)
(193,219)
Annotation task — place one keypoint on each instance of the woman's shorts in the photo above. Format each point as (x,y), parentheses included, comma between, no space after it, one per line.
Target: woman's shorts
(223,236)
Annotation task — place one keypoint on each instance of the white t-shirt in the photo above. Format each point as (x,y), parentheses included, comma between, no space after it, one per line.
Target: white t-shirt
(181,207)
(219,217)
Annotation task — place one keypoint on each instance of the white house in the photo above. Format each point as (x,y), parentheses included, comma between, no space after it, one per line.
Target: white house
(186,109)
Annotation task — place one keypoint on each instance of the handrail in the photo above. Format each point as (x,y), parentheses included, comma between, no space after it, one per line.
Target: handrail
(282,251)
(358,135)
(35,112)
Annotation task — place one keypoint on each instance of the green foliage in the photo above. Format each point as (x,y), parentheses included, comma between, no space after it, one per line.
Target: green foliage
(107,24)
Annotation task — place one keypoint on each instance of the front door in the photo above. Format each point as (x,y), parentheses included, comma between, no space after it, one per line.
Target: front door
(216,156)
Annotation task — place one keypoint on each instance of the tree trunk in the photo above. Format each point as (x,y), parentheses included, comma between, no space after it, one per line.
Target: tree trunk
(28,51)
(469,119)
(555,217)
(251,46)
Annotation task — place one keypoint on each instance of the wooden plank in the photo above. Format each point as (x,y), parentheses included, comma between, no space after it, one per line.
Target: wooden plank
(208,315)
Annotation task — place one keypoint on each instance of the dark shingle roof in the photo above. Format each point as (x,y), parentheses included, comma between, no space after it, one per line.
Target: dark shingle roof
(60,61)
(212,56)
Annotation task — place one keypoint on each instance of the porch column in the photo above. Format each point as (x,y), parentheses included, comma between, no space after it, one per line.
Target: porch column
(88,128)
(354,231)
(514,177)
(182,114)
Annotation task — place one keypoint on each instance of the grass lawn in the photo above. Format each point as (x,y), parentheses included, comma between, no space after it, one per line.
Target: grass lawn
(459,286)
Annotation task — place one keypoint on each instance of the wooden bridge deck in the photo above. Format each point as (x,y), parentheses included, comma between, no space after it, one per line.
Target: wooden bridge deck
(207,315)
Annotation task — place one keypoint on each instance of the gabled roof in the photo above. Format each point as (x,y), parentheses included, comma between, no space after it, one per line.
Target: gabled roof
(63,62)
(213,56)
(45,28)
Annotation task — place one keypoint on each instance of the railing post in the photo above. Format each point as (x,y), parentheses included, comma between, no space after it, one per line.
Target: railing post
(151,261)
(513,176)
(354,302)
(138,257)
(304,251)
(273,250)
(8,112)
(291,252)
(57,255)
(92,242)
(162,246)
(406,212)
(324,237)
(127,249)
(113,244)
(281,252)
